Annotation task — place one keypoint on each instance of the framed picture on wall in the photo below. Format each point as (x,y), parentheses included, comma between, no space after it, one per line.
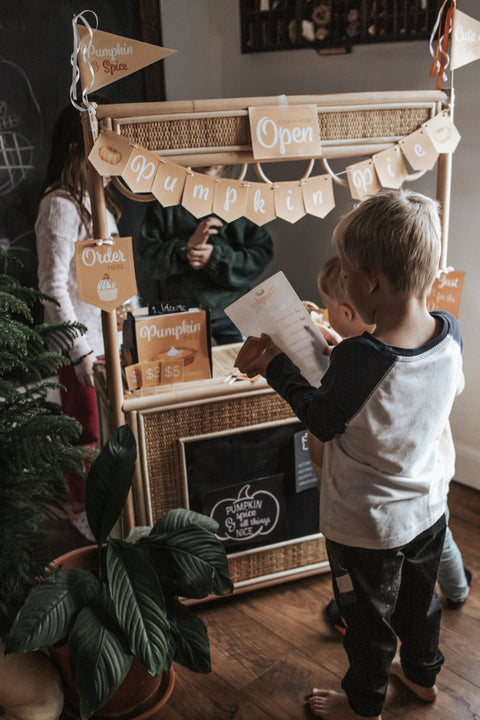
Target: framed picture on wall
(331,26)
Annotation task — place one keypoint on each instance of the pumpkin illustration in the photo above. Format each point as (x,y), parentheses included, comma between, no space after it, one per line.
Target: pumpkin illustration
(110,155)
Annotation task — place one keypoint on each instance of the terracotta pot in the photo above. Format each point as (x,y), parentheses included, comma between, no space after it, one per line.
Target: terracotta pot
(139,696)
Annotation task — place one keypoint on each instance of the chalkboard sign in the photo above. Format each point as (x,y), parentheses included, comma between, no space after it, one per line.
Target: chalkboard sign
(36,42)
(223,468)
(248,514)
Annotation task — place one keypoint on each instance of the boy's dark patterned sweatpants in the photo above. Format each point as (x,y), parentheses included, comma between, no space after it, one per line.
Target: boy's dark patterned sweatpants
(385,595)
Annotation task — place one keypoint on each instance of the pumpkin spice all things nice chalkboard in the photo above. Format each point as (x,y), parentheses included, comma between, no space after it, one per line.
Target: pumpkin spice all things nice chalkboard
(248,480)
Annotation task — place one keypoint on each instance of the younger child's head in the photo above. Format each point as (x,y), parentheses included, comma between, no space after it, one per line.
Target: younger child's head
(396,232)
(342,316)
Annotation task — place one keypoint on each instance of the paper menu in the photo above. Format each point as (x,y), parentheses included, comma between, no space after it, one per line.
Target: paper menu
(273,307)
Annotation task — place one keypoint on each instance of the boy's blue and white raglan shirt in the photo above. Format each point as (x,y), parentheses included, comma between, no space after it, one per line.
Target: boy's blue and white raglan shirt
(381,411)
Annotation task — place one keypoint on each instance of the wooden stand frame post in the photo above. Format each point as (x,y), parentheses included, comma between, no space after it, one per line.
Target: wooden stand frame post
(109,319)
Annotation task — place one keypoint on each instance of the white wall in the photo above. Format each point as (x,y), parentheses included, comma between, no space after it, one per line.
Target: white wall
(209,64)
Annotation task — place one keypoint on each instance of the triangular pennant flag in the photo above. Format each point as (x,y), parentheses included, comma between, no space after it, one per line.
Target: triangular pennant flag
(108,57)
(465,47)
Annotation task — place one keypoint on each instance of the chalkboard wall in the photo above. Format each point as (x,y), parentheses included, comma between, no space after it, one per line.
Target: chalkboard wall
(36,41)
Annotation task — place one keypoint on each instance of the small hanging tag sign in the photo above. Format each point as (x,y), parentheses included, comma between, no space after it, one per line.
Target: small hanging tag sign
(446,291)
(105,272)
(284,131)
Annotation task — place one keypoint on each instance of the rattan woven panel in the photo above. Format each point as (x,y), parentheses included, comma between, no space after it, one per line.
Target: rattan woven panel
(293,556)
(165,427)
(225,132)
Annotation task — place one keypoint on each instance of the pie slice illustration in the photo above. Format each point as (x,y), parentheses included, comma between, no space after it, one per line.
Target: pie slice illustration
(107,288)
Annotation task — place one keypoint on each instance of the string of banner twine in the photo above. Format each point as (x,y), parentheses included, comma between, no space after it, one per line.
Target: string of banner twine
(82,49)
(441,33)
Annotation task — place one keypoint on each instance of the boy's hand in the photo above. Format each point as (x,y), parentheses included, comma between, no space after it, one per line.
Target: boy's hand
(256,354)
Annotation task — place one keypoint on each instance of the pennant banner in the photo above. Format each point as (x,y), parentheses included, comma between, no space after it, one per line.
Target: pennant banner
(145,172)
(465,40)
(104,58)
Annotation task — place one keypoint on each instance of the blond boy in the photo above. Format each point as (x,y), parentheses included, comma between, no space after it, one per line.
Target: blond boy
(382,405)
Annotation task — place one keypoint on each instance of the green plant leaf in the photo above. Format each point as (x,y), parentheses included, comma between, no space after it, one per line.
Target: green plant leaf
(190,638)
(191,562)
(181,517)
(48,611)
(109,480)
(139,603)
(99,659)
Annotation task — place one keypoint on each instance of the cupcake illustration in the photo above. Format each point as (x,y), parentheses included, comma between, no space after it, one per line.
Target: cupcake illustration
(107,288)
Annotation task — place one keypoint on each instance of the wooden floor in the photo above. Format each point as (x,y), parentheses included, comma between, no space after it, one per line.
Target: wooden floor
(270,647)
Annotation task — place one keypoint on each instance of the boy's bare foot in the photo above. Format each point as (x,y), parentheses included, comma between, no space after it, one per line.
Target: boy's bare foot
(427,694)
(331,705)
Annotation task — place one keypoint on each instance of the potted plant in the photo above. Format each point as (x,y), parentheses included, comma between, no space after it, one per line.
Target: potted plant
(123,609)
(37,440)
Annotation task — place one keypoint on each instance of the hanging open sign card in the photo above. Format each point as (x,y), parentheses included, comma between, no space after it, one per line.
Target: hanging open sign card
(285,131)
(105,272)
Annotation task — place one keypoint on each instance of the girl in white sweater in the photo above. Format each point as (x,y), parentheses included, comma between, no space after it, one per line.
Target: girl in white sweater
(64,217)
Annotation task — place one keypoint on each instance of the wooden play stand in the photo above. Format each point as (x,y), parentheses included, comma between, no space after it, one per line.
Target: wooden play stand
(211,132)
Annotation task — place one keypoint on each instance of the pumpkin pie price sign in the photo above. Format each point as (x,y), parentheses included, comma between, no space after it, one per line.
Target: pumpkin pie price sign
(105,272)
(252,512)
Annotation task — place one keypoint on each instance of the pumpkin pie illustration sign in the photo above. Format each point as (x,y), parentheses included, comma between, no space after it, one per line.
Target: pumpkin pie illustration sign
(105,272)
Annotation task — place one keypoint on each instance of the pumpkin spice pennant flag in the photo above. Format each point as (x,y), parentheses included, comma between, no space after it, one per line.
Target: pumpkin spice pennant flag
(104,58)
